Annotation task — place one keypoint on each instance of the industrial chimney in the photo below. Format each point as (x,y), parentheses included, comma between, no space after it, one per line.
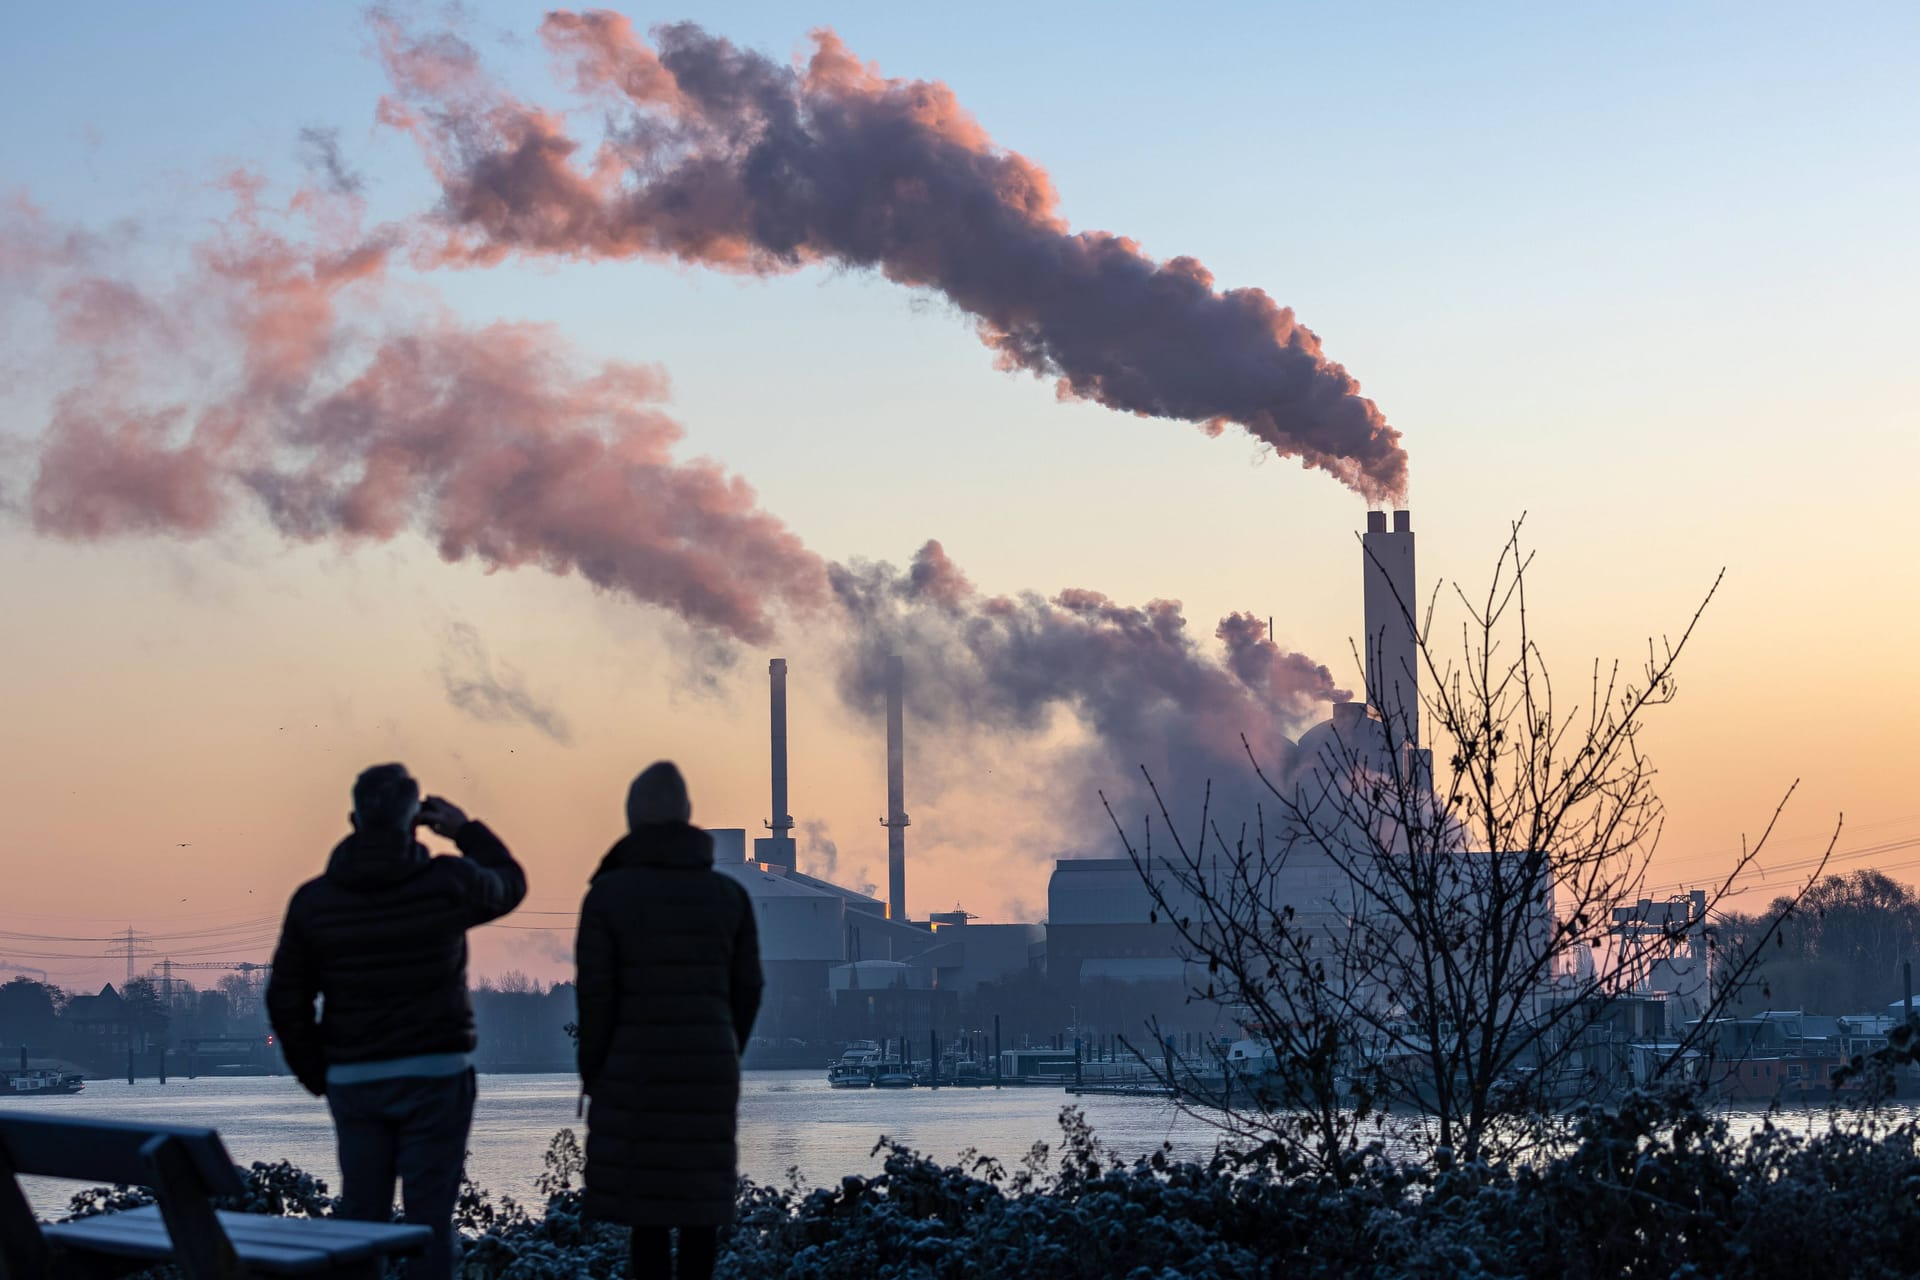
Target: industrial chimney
(1392,651)
(896,821)
(777,849)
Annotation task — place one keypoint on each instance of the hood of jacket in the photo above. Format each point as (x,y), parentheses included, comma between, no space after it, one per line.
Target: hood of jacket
(375,859)
(675,846)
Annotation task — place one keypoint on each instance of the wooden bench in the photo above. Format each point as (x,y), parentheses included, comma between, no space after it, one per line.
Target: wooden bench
(186,1168)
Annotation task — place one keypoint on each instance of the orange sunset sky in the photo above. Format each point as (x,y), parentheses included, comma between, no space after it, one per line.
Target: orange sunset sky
(1612,280)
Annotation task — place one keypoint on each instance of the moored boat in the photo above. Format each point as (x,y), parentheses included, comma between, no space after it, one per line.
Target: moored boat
(37,1081)
(856,1066)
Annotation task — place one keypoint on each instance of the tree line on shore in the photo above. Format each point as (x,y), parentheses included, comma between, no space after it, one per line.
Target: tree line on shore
(522,1023)
(1839,949)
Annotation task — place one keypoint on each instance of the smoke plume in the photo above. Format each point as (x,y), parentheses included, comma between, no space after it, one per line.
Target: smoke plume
(1133,676)
(823,851)
(718,156)
(491,696)
(489,441)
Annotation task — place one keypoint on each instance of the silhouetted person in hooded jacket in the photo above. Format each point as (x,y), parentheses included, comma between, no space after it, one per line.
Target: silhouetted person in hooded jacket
(382,939)
(669,983)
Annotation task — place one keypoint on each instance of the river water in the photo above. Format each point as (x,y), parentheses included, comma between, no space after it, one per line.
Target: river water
(788,1120)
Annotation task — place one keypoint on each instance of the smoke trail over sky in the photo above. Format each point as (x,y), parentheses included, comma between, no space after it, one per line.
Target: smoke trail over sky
(489,441)
(1134,676)
(494,694)
(721,157)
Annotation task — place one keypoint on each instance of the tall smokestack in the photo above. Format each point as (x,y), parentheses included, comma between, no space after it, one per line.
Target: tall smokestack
(777,848)
(896,788)
(1392,651)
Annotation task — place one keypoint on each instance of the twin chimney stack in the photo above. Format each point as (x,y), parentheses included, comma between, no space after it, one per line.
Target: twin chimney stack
(896,820)
(777,848)
(1392,648)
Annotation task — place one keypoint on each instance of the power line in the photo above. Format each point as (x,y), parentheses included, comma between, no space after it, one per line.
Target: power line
(1839,858)
(70,952)
(247,924)
(1804,838)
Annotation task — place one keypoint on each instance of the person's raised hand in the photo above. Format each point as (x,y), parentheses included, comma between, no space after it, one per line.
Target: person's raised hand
(443,817)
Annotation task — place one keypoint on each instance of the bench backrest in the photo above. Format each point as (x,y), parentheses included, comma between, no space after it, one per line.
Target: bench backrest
(184,1166)
(111,1151)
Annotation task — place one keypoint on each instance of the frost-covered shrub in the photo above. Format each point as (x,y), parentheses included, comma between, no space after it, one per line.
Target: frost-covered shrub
(280,1189)
(1652,1187)
(97,1200)
(284,1190)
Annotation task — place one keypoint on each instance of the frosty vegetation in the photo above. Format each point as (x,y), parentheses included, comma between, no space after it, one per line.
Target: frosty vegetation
(1652,1187)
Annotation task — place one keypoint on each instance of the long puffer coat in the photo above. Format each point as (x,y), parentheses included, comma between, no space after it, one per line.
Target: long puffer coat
(669,983)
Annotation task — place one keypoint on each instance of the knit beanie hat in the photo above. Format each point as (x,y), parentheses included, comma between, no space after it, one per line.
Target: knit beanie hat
(657,796)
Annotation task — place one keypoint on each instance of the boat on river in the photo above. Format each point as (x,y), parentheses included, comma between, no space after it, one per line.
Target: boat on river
(856,1066)
(35,1082)
(893,1075)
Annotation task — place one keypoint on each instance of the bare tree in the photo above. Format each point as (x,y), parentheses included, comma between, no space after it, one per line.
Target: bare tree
(242,993)
(1442,941)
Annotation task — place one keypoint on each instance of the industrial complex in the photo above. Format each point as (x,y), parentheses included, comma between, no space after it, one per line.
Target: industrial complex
(844,965)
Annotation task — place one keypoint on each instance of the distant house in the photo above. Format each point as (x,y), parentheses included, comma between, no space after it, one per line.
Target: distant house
(1786,1054)
(107,1025)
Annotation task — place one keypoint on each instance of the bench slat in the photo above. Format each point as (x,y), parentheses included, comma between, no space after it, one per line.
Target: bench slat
(286,1262)
(155,1246)
(339,1236)
(289,1246)
(89,1150)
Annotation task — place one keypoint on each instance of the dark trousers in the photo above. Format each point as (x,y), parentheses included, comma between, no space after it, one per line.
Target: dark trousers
(416,1129)
(652,1253)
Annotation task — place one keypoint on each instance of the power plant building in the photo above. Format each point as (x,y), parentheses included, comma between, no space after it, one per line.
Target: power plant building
(1102,923)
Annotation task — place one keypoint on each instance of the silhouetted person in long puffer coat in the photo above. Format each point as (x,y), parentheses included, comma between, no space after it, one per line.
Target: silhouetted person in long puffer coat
(669,983)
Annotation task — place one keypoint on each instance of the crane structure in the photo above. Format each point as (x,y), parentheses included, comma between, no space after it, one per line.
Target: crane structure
(168,967)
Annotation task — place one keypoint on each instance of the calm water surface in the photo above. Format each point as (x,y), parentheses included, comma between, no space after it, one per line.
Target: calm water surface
(788,1120)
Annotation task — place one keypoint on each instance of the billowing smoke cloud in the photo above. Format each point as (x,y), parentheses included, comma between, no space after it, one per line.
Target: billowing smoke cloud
(1133,676)
(718,156)
(490,695)
(488,441)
